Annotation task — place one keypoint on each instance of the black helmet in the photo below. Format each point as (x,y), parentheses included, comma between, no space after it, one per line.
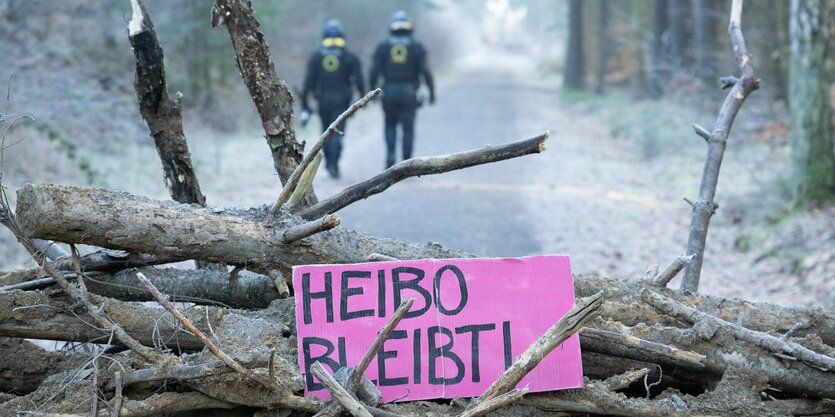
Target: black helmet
(400,22)
(333,29)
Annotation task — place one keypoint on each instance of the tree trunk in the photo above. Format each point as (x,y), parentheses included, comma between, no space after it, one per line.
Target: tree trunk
(774,44)
(659,64)
(705,41)
(679,34)
(604,44)
(574,59)
(811,124)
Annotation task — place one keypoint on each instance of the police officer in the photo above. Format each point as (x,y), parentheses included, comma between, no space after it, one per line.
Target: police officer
(401,61)
(331,72)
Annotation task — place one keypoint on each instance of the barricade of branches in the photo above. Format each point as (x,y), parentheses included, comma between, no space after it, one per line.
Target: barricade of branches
(225,340)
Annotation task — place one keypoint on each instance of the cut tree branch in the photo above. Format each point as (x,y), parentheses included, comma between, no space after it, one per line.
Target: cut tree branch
(294,233)
(293,181)
(704,206)
(662,279)
(271,96)
(163,116)
(424,166)
(356,408)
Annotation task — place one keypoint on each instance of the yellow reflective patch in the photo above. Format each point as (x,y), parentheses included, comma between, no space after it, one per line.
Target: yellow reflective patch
(330,63)
(401,25)
(329,42)
(399,53)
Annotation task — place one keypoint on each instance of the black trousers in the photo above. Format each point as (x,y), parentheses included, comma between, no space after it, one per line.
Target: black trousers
(328,112)
(399,106)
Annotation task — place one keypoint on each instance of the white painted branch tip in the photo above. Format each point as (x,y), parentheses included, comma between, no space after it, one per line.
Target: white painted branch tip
(135,25)
(736,13)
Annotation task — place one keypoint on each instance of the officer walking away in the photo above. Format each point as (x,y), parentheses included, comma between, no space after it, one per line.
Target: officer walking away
(401,61)
(331,72)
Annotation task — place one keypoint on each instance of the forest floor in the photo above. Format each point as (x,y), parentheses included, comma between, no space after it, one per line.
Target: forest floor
(608,191)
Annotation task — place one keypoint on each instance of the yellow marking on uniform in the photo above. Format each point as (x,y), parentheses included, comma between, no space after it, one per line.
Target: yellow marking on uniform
(399,53)
(330,63)
(329,42)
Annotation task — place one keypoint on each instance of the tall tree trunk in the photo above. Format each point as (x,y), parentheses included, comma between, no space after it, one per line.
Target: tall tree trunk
(774,43)
(704,29)
(603,45)
(574,59)
(811,128)
(658,53)
(679,34)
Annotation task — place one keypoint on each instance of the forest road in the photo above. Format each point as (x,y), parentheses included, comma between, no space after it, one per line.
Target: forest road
(585,196)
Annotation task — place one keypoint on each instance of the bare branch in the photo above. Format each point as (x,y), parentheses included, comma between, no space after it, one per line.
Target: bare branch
(305,183)
(763,340)
(356,408)
(424,166)
(702,132)
(302,231)
(385,333)
(585,309)
(290,186)
(163,301)
(662,279)
(701,213)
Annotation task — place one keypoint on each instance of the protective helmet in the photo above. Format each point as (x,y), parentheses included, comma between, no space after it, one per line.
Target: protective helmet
(333,29)
(401,22)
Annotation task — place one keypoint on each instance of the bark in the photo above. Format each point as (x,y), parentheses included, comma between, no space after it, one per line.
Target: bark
(163,116)
(136,224)
(575,70)
(202,286)
(704,207)
(270,94)
(813,158)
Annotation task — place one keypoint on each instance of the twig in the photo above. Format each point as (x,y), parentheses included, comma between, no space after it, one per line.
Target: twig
(385,333)
(310,228)
(94,408)
(117,397)
(350,403)
(305,183)
(424,166)
(585,309)
(496,403)
(293,181)
(763,340)
(707,136)
(279,282)
(704,207)
(624,380)
(163,301)
(662,279)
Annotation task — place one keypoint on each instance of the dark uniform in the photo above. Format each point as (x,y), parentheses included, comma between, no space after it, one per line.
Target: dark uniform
(401,61)
(331,72)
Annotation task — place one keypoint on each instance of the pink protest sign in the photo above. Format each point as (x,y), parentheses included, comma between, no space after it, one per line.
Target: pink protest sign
(470,319)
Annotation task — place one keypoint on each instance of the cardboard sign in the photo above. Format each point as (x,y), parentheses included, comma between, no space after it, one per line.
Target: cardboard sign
(470,320)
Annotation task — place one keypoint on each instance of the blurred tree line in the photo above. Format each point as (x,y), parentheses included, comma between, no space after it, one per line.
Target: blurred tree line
(676,47)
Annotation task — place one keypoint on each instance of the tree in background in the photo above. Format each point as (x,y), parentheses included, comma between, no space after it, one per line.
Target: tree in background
(604,48)
(658,64)
(811,125)
(574,59)
(679,51)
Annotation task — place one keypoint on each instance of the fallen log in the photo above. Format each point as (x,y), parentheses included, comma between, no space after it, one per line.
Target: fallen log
(241,237)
